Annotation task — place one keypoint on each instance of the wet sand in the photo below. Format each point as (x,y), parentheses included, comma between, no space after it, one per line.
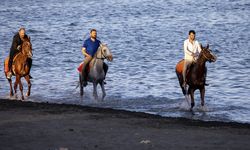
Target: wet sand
(43,126)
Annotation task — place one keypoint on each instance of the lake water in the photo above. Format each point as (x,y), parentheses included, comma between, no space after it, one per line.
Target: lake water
(146,38)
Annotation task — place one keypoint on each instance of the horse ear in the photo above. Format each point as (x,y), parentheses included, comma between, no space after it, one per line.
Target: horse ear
(29,38)
(201,46)
(207,46)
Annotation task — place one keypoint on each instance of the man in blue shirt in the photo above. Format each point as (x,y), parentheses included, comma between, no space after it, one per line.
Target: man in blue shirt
(89,48)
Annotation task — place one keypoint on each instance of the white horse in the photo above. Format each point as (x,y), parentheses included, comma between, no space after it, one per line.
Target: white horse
(96,73)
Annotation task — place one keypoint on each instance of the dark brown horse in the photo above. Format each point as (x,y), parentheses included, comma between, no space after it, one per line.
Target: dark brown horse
(21,67)
(196,76)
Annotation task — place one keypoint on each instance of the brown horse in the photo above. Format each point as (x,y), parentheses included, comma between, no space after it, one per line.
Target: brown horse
(196,75)
(21,67)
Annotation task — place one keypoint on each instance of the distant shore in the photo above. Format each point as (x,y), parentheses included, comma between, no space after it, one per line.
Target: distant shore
(28,125)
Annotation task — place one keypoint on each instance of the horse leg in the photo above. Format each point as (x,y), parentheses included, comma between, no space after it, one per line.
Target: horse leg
(16,84)
(95,90)
(21,88)
(27,78)
(103,90)
(11,89)
(81,85)
(192,99)
(202,93)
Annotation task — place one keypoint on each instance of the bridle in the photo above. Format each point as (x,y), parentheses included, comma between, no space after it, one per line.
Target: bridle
(102,56)
(205,55)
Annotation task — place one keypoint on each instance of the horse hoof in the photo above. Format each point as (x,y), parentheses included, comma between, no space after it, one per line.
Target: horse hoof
(27,94)
(95,97)
(22,98)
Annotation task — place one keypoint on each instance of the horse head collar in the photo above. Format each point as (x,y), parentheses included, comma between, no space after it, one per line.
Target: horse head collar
(207,53)
(105,52)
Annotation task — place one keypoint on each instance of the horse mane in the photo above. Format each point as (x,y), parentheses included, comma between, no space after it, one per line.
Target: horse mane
(26,38)
(99,48)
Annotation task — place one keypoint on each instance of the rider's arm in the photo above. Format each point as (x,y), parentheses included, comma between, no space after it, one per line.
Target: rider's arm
(84,52)
(199,47)
(186,50)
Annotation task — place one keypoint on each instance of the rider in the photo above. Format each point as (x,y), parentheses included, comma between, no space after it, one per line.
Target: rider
(89,48)
(15,47)
(192,49)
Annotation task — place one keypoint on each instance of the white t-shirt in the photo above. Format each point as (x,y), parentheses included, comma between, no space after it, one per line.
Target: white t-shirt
(190,48)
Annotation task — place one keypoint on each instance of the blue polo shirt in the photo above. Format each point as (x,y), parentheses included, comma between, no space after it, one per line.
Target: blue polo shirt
(91,47)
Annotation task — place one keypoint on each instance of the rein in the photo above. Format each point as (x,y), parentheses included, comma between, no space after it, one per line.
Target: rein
(205,56)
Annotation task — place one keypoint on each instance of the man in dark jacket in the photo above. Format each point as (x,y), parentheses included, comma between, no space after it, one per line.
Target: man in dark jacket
(15,47)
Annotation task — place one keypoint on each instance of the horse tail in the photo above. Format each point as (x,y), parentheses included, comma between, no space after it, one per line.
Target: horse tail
(78,84)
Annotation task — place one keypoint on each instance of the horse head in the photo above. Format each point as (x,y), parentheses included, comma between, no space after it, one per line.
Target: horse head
(27,47)
(105,52)
(207,54)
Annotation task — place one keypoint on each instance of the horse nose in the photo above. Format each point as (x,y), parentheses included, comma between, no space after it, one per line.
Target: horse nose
(30,54)
(215,58)
(111,58)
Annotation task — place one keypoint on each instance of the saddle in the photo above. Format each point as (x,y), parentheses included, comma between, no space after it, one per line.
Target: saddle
(80,67)
(6,64)
(179,67)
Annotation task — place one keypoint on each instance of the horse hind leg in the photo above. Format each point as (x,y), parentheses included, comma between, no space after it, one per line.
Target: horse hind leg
(81,85)
(27,78)
(95,90)
(202,94)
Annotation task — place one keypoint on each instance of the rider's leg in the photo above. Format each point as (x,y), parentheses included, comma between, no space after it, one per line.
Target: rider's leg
(85,62)
(11,56)
(186,65)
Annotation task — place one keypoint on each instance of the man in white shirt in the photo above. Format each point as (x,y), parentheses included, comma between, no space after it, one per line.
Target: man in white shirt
(192,50)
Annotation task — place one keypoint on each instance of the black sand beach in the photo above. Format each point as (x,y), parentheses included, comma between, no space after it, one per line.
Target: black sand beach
(43,126)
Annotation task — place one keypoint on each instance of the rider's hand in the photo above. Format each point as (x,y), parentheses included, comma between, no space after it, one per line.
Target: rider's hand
(87,55)
(18,47)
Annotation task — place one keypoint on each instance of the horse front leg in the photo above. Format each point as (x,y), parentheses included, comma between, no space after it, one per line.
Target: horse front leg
(202,93)
(103,90)
(16,84)
(21,88)
(27,78)
(95,90)
(11,89)
(192,99)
